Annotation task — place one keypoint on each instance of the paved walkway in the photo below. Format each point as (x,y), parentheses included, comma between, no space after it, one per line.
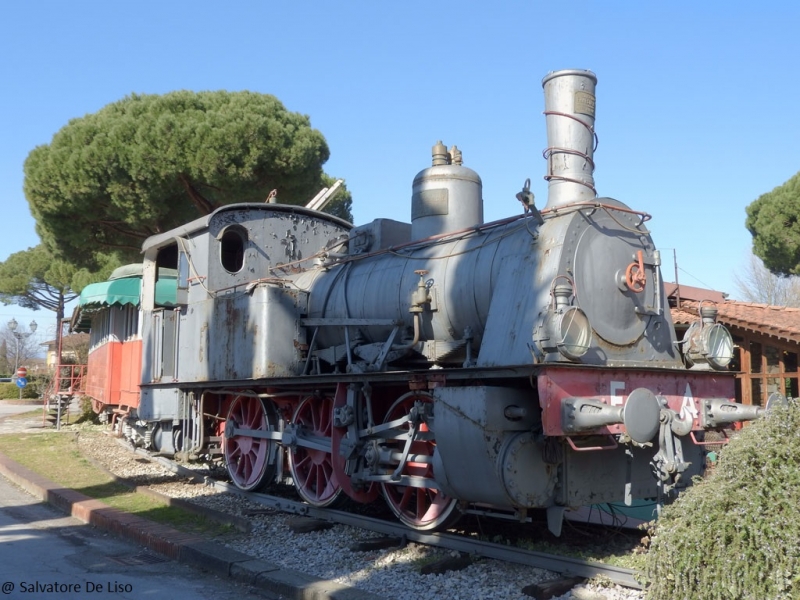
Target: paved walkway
(186,548)
(45,554)
(12,407)
(19,425)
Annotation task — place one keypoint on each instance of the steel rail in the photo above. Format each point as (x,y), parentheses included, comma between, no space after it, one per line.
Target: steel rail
(552,562)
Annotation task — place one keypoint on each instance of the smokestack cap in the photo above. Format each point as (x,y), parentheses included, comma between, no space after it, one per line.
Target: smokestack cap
(576,72)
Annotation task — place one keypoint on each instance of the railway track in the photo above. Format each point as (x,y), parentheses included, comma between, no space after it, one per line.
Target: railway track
(559,564)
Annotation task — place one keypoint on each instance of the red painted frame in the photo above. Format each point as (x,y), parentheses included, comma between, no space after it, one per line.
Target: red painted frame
(684,391)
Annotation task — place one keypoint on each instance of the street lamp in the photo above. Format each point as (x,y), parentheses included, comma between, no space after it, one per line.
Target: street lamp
(12,327)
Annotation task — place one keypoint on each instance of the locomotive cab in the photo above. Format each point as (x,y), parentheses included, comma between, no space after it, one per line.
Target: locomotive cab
(234,318)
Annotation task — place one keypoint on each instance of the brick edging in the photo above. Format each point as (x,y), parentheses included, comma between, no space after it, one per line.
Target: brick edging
(158,537)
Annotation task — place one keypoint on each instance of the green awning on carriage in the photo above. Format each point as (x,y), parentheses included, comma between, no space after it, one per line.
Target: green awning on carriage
(119,292)
(107,293)
(126,291)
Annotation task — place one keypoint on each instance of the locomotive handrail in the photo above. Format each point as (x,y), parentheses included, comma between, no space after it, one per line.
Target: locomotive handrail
(347,322)
(643,216)
(613,445)
(721,442)
(410,244)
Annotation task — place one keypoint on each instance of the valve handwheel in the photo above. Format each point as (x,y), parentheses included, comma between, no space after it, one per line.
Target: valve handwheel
(635,277)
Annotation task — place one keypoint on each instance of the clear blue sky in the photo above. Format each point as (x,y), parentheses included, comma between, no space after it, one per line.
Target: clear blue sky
(697,102)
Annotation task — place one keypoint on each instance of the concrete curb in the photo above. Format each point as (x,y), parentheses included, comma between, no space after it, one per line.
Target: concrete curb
(35,402)
(186,548)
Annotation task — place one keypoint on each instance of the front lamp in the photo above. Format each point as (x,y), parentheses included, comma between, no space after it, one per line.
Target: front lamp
(573,333)
(707,343)
(719,343)
(564,329)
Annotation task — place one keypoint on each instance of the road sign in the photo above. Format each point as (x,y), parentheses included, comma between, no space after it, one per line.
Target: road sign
(22,372)
(21,382)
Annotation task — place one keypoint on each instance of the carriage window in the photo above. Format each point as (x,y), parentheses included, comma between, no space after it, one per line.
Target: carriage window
(231,248)
(131,327)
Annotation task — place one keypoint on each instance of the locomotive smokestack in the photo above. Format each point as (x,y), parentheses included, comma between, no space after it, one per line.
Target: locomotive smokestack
(569,105)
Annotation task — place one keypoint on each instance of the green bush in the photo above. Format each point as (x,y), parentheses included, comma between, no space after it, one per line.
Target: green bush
(10,390)
(736,534)
(87,414)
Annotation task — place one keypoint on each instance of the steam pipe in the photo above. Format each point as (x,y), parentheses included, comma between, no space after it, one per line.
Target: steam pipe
(415,341)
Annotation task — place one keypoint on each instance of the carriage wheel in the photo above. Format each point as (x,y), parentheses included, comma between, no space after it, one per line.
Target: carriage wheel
(248,458)
(423,509)
(312,470)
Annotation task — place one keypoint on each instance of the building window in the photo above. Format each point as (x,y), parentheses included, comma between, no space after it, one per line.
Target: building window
(790,368)
(755,357)
(773,356)
(736,361)
(756,391)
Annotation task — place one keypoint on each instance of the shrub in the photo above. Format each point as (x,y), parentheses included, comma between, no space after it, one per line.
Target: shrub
(736,535)
(9,391)
(87,414)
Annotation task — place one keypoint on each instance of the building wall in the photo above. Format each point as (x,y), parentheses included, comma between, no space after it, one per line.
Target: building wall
(765,365)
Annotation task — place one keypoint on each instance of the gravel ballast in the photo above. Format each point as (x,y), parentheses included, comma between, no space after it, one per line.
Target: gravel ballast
(390,572)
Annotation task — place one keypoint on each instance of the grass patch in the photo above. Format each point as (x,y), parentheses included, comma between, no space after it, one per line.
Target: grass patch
(423,561)
(618,549)
(56,456)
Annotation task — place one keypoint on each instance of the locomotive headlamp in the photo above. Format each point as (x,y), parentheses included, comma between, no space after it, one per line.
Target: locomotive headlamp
(565,328)
(707,343)
(719,342)
(574,332)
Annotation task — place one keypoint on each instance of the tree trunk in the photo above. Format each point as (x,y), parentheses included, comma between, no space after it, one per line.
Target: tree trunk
(59,318)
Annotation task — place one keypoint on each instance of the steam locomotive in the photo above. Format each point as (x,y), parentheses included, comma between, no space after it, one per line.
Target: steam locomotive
(447,364)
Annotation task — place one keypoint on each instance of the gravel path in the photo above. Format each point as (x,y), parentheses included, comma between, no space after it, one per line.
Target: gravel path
(393,573)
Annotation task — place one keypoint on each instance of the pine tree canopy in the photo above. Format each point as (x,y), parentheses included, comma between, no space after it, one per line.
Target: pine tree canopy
(148,163)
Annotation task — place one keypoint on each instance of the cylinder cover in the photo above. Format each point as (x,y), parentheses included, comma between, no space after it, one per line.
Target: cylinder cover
(529,481)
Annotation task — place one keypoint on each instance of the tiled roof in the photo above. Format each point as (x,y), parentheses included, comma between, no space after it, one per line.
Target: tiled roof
(688,292)
(778,321)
